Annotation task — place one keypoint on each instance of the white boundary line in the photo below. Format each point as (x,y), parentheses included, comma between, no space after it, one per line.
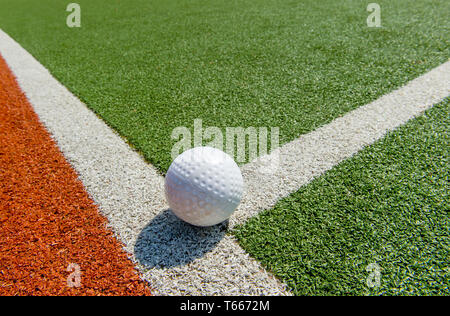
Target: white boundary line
(314,153)
(130,192)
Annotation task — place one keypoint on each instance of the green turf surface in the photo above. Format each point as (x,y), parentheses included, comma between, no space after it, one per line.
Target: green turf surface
(148,66)
(387,205)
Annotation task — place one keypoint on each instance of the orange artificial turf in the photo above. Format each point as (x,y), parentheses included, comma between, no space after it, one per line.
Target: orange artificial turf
(47,220)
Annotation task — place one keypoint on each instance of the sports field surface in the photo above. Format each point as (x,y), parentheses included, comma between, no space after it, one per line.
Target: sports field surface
(48,221)
(388,205)
(147,67)
(355,201)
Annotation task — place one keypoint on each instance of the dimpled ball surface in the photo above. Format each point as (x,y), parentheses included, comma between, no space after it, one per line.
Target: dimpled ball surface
(203,186)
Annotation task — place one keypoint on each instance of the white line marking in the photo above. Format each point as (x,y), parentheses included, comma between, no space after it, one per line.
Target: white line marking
(316,152)
(130,193)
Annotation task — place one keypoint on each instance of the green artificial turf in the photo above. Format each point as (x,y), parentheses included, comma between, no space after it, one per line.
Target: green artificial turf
(388,205)
(148,66)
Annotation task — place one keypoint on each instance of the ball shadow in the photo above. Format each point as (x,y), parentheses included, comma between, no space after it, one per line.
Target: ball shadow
(169,242)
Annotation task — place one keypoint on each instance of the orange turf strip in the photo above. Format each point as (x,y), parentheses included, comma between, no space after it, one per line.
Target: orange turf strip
(47,220)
